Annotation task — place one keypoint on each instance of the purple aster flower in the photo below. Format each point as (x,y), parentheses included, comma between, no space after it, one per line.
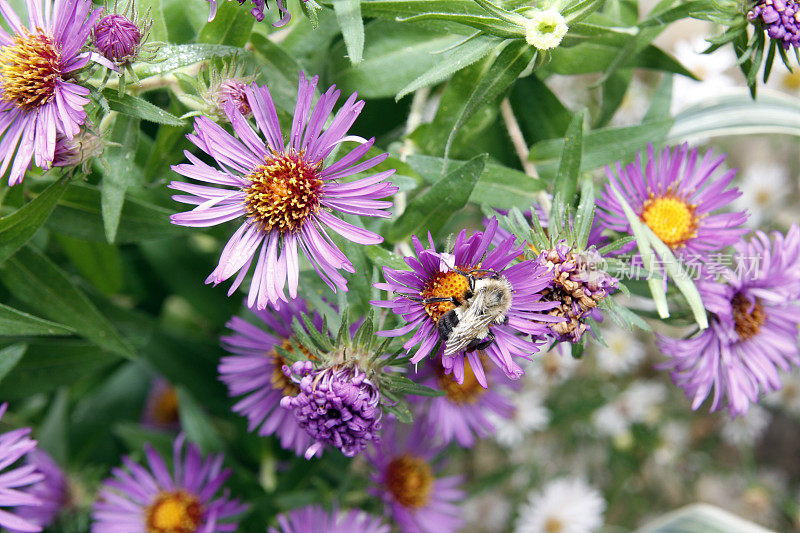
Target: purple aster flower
(463,414)
(157,500)
(254,372)
(52,490)
(161,407)
(433,276)
(117,37)
(676,197)
(285,193)
(233,91)
(16,481)
(580,283)
(781,20)
(37,95)
(315,518)
(338,406)
(78,150)
(752,330)
(257,11)
(406,478)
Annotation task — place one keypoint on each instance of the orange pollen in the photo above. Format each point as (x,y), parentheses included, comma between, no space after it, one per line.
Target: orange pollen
(165,408)
(278,380)
(748,317)
(29,70)
(671,218)
(444,285)
(174,512)
(283,192)
(468,392)
(410,481)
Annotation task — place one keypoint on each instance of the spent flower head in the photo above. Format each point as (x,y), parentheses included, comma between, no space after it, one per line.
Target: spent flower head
(544,29)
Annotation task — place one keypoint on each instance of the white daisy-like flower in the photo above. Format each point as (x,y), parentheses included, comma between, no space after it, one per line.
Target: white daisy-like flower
(675,437)
(545,29)
(711,69)
(530,415)
(745,430)
(552,367)
(639,403)
(622,353)
(784,80)
(566,505)
(763,189)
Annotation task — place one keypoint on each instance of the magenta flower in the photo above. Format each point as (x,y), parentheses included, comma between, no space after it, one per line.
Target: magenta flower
(464,413)
(781,20)
(37,95)
(52,491)
(433,276)
(254,372)
(16,481)
(160,500)
(117,37)
(406,477)
(315,518)
(677,198)
(285,192)
(753,327)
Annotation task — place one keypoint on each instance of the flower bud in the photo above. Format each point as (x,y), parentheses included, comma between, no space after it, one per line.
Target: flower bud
(117,38)
(545,29)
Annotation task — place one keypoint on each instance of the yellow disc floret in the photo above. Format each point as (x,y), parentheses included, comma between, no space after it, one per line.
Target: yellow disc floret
(671,218)
(29,70)
(283,192)
(467,392)
(410,481)
(174,512)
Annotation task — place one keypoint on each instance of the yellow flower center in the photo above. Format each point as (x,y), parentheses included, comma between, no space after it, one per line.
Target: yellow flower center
(283,192)
(553,525)
(468,392)
(29,70)
(410,481)
(165,410)
(748,317)
(671,218)
(174,512)
(791,80)
(445,285)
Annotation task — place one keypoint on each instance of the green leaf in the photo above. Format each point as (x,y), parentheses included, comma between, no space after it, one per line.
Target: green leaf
(384,258)
(52,433)
(14,322)
(99,262)
(196,424)
(397,55)
(121,173)
(133,106)
(737,114)
(175,56)
(48,365)
(540,113)
(348,13)
(158,30)
(40,284)
(431,210)
(504,71)
(700,518)
(18,227)
(10,356)
(452,61)
(231,26)
(661,103)
(569,168)
(78,214)
(403,385)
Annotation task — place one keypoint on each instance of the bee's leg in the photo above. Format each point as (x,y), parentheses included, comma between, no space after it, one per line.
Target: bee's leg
(435,300)
(446,324)
(481,344)
(494,273)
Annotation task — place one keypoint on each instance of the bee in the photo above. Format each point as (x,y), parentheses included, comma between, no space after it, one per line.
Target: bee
(485,303)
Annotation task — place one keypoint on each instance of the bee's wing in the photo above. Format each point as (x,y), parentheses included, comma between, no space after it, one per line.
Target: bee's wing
(469,326)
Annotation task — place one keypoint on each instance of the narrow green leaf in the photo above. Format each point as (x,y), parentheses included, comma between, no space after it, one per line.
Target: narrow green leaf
(662,101)
(656,285)
(120,174)
(40,284)
(14,322)
(431,210)
(134,106)
(99,262)
(348,13)
(452,61)
(175,56)
(509,64)
(403,385)
(382,257)
(52,433)
(196,424)
(18,227)
(231,26)
(9,357)
(585,214)
(569,168)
